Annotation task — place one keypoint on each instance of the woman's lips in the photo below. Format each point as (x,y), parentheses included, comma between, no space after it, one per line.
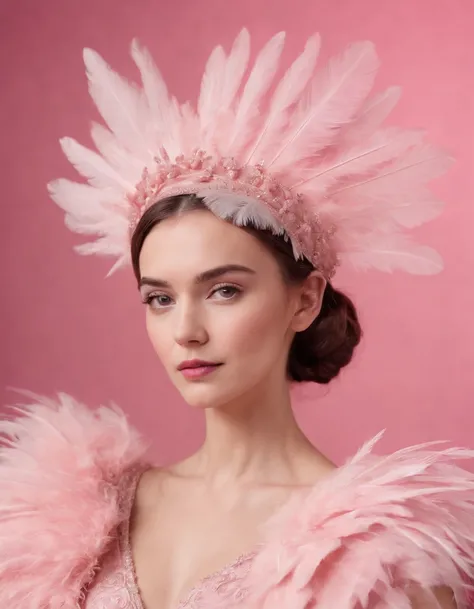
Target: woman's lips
(196,372)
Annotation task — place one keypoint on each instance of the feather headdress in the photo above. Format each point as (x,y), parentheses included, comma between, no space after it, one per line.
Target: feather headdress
(304,157)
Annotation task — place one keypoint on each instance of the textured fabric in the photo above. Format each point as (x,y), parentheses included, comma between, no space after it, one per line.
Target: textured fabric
(363,537)
(115,585)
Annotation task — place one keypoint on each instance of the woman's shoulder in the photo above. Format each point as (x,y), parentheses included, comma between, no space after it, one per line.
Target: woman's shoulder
(62,470)
(393,523)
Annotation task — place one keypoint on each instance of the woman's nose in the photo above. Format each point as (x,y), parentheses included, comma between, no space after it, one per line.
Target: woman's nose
(190,325)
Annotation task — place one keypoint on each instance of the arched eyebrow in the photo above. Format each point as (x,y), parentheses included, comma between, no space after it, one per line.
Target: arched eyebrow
(203,277)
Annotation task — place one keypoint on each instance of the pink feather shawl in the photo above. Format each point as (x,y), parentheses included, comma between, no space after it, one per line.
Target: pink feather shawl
(372,530)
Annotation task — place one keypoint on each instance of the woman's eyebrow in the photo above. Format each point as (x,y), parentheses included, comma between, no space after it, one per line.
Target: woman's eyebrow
(208,275)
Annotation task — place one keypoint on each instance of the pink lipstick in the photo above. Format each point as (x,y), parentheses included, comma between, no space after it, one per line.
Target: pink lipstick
(196,368)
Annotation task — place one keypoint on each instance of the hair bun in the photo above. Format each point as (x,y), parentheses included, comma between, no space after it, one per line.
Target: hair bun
(320,352)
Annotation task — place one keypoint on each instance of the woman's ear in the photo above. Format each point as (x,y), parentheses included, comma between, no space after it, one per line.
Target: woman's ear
(309,301)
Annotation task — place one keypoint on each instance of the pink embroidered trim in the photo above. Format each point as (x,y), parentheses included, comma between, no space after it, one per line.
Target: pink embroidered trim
(201,171)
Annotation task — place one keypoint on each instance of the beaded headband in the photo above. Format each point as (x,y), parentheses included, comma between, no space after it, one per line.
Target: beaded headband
(304,157)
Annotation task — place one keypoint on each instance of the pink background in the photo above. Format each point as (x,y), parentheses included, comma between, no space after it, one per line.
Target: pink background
(64,327)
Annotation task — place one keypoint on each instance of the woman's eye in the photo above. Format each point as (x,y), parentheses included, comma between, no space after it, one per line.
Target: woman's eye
(226,292)
(158,301)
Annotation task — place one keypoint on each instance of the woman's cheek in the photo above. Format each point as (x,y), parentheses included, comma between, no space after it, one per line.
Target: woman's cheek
(158,336)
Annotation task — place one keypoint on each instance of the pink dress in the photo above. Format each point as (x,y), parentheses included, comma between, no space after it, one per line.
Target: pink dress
(116,582)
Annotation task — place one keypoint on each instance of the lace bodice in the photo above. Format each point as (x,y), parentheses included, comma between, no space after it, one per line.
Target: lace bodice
(115,585)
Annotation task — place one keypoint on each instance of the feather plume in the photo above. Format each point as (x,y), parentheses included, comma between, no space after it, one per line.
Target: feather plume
(60,469)
(80,199)
(334,99)
(421,164)
(115,154)
(287,93)
(87,208)
(154,87)
(391,252)
(241,210)
(402,522)
(370,118)
(121,105)
(414,211)
(381,149)
(211,87)
(255,90)
(93,167)
(367,534)
(318,142)
(221,104)
(235,69)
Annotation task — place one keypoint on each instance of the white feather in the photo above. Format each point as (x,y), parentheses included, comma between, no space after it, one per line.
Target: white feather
(414,211)
(334,99)
(103,245)
(317,136)
(241,210)
(81,199)
(419,165)
(382,148)
(89,210)
(374,112)
(395,253)
(93,167)
(286,95)
(163,112)
(256,87)
(235,69)
(211,86)
(154,87)
(121,105)
(115,154)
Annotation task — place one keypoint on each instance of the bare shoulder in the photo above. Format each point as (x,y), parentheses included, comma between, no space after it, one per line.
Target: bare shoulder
(150,487)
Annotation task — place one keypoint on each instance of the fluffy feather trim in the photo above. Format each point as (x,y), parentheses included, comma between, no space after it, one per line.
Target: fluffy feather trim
(367,535)
(373,532)
(60,469)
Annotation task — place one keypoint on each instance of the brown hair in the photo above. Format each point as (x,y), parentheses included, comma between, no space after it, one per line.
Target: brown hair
(318,353)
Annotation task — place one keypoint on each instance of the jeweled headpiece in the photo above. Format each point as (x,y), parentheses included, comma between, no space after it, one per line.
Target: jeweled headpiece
(304,157)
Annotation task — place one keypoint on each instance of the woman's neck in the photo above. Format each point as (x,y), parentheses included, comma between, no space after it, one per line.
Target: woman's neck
(256,441)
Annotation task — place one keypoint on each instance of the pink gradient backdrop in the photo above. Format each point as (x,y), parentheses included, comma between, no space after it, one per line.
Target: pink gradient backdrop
(64,327)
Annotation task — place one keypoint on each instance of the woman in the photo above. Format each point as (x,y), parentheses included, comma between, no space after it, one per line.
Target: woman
(234,232)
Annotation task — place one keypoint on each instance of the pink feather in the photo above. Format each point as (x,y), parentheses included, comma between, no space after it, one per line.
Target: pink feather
(421,164)
(367,534)
(404,522)
(115,154)
(85,206)
(362,160)
(317,139)
(255,90)
(287,93)
(392,252)
(335,98)
(121,105)
(235,68)
(211,87)
(60,466)
(93,167)
(154,87)
(373,113)
(81,199)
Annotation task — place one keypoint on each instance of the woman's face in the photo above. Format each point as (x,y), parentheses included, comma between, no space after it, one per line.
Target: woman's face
(215,294)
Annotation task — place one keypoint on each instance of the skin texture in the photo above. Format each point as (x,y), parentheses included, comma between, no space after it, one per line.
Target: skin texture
(194,517)
(244,319)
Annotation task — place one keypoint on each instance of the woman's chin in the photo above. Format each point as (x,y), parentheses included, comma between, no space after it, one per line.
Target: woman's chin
(203,397)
